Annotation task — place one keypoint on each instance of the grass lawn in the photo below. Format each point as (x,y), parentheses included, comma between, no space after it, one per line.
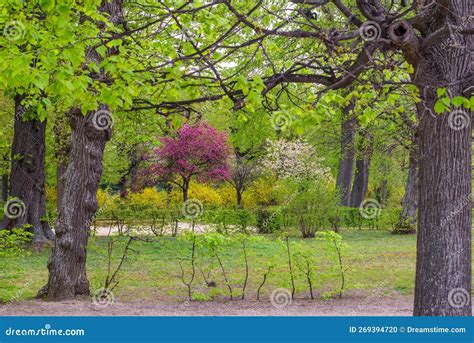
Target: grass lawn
(376,260)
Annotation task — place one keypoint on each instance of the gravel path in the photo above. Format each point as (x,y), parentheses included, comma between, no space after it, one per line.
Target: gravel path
(145,230)
(381,306)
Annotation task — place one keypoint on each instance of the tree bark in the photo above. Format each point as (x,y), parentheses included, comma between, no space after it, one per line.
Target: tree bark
(346,161)
(443,268)
(27,177)
(361,178)
(67,264)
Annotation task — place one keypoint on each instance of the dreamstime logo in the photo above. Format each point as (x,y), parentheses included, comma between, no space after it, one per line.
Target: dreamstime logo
(455,37)
(103,120)
(376,292)
(185,305)
(458,120)
(370,30)
(14,30)
(281,121)
(103,297)
(370,209)
(192,208)
(458,297)
(14,208)
(281,298)
(17,295)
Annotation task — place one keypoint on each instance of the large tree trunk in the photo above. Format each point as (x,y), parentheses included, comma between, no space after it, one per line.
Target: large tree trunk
(89,135)
(27,178)
(361,178)
(67,264)
(346,161)
(443,268)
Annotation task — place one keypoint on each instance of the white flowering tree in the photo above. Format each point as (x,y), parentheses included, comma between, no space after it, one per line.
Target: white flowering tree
(295,160)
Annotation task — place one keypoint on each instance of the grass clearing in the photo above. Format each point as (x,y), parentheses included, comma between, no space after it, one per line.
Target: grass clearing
(376,260)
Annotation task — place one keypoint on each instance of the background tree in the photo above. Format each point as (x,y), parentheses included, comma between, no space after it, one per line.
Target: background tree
(198,151)
(245,168)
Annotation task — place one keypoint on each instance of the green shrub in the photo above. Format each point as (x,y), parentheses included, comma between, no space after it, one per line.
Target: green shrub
(13,242)
(267,221)
(404,227)
(314,208)
(387,218)
(229,219)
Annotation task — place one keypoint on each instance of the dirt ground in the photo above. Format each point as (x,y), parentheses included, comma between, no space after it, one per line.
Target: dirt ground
(349,306)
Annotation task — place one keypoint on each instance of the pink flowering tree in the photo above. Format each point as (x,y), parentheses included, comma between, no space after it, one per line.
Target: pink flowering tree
(198,151)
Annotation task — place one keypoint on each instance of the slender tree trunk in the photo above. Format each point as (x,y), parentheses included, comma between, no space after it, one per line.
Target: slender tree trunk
(67,264)
(361,178)
(346,161)
(239,198)
(60,181)
(134,158)
(4,187)
(443,267)
(410,199)
(27,178)
(185,190)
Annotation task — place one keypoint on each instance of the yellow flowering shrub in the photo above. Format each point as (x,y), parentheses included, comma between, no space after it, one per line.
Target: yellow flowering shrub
(104,198)
(264,192)
(205,193)
(228,195)
(149,197)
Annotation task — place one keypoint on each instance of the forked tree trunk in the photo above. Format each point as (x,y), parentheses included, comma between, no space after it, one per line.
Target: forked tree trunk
(443,268)
(67,264)
(27,178)
(346,161)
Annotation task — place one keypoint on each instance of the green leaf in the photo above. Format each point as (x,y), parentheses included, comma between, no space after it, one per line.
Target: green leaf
(439,107)
(458,101)
(41,81)
(441,92)
(47,5)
